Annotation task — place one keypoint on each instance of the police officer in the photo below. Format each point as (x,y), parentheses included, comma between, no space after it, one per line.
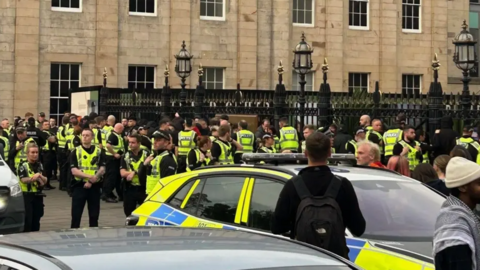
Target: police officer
(48,154)
(5,142)
(62,154)
(224,147)
(145,141)
(160,164)
(40,119)
(100,129)
(213,133)
(87,165)
(288,137)
(18,153)
(409,148)
(268,144)
(31,182)
(469,143)
(36,134)
(307,131)
(246,138)
(187,140)
(108,127)
(393,135)
(200,156)
(115,147)
(373,135)
(97,133)
(134,175)
(365,122)
(351,146)
(131,125)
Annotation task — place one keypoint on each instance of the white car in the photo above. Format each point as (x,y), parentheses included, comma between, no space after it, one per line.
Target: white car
(12,207)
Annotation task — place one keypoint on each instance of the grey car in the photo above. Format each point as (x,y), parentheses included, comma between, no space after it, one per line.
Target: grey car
(161,248)
(12,208)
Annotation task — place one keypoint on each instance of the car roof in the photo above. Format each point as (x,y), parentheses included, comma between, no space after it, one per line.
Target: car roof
(169,247)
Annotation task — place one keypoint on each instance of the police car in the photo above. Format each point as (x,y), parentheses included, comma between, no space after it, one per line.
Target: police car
(400,212)
(12,207)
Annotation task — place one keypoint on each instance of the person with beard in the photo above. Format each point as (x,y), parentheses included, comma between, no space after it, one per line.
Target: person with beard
(131,125)
(161,163)
(410,148)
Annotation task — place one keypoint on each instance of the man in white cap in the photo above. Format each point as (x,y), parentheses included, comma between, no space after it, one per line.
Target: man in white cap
(456,240)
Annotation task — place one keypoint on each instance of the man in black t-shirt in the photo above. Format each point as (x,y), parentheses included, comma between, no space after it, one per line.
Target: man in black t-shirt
(114,150)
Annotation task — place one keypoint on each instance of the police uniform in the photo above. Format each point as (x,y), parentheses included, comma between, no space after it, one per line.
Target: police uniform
(390,139)
(222,152)
(187,140)
(89,161)
(112,176)
(6,147)
(472,146)
(193,159)
(98,137)
(288,139)
(48,159)
(164,164)
(62,156)
(246,139)
(18,156)
(351,147)
(134,190)
(414,157)
(376,138)
(32,196)
(73,141)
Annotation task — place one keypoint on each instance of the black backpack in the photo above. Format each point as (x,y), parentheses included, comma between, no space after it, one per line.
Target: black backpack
(319,220)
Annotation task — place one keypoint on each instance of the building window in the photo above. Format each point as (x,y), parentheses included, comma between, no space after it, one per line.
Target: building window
(358,82)
(475,31)
(63,77)
(213,78)
(141,77)
(212,10)
(411,16)
(358,14)
(411,83)
(309,78)
(143,7)
(303,12)
(67,5)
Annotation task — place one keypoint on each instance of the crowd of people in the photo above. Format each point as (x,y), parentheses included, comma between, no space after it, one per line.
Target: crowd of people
(98,158)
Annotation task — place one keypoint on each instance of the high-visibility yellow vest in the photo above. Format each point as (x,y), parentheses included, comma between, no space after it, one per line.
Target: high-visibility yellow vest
(466,141)
(88,165)
(426,158)
(95,141)
(69,130)
(6,149)
(9,130)
(107,129)
(197,154)
(133,165)
(185,142)
(22,154)
(119,147)
(266,150)
(354,143)
(277,142)
(154,176)
(62,140)
(213,138)
(70,143)
(368,128)
(226,154)
(288,139)
(246,139)
(412,155)
(304,146)
(380,138)
(390,138)
(31,187)
(46,147)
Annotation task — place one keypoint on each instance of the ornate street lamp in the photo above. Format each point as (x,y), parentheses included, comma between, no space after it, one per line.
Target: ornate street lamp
(183,68)
(302,63)
(465,58)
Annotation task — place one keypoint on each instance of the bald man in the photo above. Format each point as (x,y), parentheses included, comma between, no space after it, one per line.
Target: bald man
(114,149)
(365,122)
(374,134)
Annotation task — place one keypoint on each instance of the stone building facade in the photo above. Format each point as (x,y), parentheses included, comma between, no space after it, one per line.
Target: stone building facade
(49,45)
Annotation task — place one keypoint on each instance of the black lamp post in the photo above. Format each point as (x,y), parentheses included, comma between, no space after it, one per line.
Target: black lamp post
(183,68)
(465,58)
(302,63)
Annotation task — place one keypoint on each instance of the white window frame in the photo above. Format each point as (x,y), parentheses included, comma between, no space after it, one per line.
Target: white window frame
(296,79)
(144,14)
(368,80)
(60,80)
(414,31)
(355,27)
(214,18)
(306,24)
(64,9)
(145,66)
(204,81)
(412,76)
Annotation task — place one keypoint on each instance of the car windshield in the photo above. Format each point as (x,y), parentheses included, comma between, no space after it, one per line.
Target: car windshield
(398,210)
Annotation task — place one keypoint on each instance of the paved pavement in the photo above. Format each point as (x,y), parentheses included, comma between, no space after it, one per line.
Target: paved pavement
(58,207)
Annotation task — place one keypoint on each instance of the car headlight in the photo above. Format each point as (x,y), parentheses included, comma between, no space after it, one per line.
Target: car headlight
(15,189)
(3,204)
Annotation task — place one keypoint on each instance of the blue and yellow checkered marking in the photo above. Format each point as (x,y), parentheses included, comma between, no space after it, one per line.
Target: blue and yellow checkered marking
(355,246)
(167,213)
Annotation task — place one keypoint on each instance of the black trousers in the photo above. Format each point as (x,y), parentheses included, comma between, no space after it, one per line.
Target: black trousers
(113,179)
(133,196)
(81,196)
(181,164)
(34,210)
(49,163)
(62,157)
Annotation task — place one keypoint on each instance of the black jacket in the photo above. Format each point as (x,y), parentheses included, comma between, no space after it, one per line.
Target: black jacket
(341,139)
(444,139)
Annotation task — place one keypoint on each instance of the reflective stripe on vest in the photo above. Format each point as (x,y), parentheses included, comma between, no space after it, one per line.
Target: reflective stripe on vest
(132,164)
(288,139)
(116,148)
(469,141)
(62,140)
(46,147)
(380,138)
(226,154)
(185,142)
(197,154)
(412,155)
(6,149)
(70,143)
(95,141)
(85,162)
(354,143)
(245,138)
(31,187)
(22,154)
(390,138)
(213,138)
(154,176)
